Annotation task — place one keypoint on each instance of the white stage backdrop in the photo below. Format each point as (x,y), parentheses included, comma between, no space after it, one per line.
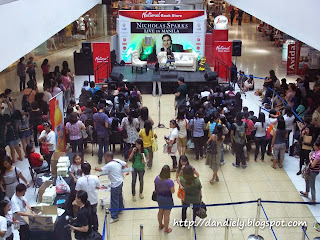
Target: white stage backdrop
(144,31)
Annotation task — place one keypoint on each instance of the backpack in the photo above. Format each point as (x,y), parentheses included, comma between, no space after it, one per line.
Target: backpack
(240,133)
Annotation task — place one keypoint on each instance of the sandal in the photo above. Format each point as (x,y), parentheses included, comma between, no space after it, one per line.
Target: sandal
(168,231)
(303,194)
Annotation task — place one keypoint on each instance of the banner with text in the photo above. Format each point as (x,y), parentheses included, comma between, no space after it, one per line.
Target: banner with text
(57,121)
(101,61)
(152,31)
(222,54)
(292,59)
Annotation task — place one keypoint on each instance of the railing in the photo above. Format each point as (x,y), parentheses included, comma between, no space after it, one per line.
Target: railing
(96,71)
(218,63)
(193,227)
(198,5)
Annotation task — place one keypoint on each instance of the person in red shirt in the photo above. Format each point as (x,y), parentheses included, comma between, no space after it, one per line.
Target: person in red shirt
(35,159)
(248,132)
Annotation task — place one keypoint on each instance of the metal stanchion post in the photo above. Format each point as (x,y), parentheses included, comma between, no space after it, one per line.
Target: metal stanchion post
(272,99)
(141,232)
(226,232)
(303,234)
(255,236)
(191,217)
(108,223)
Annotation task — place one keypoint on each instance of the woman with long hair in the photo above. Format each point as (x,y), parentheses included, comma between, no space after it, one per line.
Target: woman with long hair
(23,127)
(183,128)
(12,138)
(74,128)
(164,188)
(10,175)
(197,126)
(183,162)
(146,134)
(66,81)
(306,147)
(45,68)
(314,167)
(271,122)
(260,136)
(171,140)
(156,80)
(192,187)
(82,227)
(139,157)
(279,137)
(214,156)
(144,116)
(6,219)
(131,125)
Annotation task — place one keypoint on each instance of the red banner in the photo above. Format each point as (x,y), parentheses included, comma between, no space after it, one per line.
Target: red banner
(101,61)
(222,54)
(292,59)
(220,35)
(161,15)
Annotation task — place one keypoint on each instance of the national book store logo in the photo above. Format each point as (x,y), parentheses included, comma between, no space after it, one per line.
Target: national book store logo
(99,59)
(223,49)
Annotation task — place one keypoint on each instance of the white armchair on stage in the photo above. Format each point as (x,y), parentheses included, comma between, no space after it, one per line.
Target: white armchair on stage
(183,61)
(136,62)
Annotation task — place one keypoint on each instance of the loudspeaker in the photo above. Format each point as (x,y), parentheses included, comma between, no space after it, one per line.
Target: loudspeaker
(211,76)
(86,48)
(236,48)
(116,76)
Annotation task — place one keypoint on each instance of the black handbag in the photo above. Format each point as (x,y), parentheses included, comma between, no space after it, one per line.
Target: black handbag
(212,147)
(154,196)
(94,235)
(202,211)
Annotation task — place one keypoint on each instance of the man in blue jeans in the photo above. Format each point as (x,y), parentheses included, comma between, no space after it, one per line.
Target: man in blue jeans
(101,123)
(113,169)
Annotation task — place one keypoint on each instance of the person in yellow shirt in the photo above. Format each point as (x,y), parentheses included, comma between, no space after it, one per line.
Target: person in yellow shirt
(146,134)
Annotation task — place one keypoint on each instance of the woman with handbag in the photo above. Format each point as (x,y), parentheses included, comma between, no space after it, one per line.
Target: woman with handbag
(306,147)
(279,137)
(146,134)
(82,225)
(164,188)
(192,188)
(130,125)
(184,126)
(197,126)
(214,145)
(171,143)
(311,171)
(74,129)
(11,175)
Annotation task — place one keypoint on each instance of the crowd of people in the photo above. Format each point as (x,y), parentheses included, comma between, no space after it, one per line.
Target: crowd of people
(206,121)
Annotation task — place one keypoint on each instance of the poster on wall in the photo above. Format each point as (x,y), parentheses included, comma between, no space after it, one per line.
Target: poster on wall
(101,61)
(222,54)
(152,31)
(57,121)
(292,59)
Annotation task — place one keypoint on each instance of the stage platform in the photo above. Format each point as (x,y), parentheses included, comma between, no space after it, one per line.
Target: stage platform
(143,80)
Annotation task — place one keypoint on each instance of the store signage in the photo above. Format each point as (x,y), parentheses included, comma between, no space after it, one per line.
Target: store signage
(223,49)
(101,63)
(165,15)
(222,53)
(292,59)
(163,27)
(221,22)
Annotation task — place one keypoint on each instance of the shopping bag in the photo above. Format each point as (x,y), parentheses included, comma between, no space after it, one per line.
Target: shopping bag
(190,144)
(62,186)
(165,148)
(181,194)
(154,144)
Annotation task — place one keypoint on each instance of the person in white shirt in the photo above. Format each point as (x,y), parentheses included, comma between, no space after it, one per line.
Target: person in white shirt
(49,137)
(113,169)
(46,94)
(289,120)
(6,221)
(19,208)
(90,184)
(260,136)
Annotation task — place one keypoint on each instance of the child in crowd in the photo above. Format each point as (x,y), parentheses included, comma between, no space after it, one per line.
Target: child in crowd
(75,168)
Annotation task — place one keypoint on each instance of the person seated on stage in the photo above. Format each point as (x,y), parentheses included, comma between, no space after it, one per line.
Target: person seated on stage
(249,84)
(170,57)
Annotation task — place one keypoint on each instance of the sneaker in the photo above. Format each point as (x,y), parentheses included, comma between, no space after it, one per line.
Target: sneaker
(134,199)
(244,166)
(222,163)
(235,165)
(113,220)
(141,196)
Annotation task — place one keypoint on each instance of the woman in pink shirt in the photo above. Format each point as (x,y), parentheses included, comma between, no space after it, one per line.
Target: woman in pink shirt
(290,94)
(45,67)
(66,81)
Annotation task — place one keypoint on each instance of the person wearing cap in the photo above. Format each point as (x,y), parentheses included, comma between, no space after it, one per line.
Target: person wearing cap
(181,93)
(49,137)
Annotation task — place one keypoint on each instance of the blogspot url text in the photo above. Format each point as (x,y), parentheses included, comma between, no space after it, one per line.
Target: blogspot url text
(238,223)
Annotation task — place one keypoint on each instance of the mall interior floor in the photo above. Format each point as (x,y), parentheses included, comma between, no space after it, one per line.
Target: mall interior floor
(258,180)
